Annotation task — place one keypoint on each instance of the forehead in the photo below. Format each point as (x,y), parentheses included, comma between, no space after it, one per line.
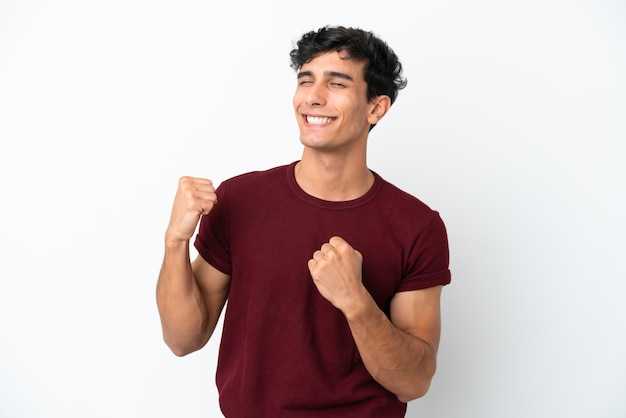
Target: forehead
(334,61)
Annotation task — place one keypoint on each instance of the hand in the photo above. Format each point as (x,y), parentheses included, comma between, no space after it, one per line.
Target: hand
(336,271)
(194,197)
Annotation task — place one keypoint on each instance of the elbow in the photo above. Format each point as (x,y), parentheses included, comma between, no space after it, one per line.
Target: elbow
(415,392)
(185,341)
(181,349)
(418,386)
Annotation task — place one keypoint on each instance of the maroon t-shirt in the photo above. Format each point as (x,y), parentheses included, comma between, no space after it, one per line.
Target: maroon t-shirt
(285,350)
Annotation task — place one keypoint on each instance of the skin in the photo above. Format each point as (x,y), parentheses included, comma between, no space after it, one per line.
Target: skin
(334,117)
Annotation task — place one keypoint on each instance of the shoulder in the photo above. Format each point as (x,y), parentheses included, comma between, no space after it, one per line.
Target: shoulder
(404,203)
(253,179)
(255,188)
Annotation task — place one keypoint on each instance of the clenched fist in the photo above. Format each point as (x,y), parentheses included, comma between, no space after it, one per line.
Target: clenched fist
(336,271)
(195,197)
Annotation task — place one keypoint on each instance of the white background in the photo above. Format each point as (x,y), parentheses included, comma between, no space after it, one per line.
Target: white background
(512,126)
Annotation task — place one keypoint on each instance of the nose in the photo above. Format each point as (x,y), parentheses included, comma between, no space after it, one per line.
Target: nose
(315,95)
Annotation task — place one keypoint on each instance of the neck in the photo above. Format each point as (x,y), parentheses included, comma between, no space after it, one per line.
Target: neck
(333,178)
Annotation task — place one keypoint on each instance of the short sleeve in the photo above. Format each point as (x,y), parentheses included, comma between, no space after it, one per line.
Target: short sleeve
(213,238)
(428,260)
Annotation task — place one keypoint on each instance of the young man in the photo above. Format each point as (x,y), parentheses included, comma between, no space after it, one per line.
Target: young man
(333,276)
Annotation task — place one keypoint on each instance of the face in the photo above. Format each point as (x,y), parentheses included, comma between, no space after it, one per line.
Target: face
(331,104)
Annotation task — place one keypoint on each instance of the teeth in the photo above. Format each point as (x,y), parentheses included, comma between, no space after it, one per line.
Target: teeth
(317,120)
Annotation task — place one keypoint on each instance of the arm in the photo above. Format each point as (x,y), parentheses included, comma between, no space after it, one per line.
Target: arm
(190,296)
(400,353)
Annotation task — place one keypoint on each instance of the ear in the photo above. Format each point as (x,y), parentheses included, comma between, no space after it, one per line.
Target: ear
(379,107)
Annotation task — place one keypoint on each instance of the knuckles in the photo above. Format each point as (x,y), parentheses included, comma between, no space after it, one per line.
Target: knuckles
(184,181)
(193,182)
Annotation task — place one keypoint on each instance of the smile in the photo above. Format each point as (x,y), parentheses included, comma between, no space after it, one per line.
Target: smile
(318,120)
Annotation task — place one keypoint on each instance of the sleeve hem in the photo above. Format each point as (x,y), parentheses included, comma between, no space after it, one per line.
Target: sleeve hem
(438,278)
(212,258)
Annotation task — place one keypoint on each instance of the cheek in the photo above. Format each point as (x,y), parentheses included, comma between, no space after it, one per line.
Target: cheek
(295,103)
(298,95)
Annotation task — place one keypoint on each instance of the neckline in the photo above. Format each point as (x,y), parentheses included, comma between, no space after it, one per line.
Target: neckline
(328,204)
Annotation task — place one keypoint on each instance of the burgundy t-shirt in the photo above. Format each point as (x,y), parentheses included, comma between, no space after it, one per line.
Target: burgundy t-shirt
(285,350)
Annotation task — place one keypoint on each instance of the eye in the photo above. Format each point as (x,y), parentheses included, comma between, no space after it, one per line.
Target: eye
(304,82)
(337,84)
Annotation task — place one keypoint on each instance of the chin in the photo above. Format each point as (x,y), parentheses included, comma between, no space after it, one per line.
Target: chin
(312,141)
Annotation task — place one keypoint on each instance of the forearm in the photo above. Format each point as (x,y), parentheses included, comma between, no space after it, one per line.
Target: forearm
(183,313)
(400,362)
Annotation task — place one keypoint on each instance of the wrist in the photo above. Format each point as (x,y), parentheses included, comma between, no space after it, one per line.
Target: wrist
(360,307)
(173,242)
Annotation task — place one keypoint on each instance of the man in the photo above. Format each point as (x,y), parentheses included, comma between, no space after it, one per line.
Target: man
(333,276)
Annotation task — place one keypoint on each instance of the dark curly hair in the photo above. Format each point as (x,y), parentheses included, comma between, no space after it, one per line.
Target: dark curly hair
(383,70)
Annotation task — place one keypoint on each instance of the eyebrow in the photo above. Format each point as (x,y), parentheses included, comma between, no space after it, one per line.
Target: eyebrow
(328,74)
